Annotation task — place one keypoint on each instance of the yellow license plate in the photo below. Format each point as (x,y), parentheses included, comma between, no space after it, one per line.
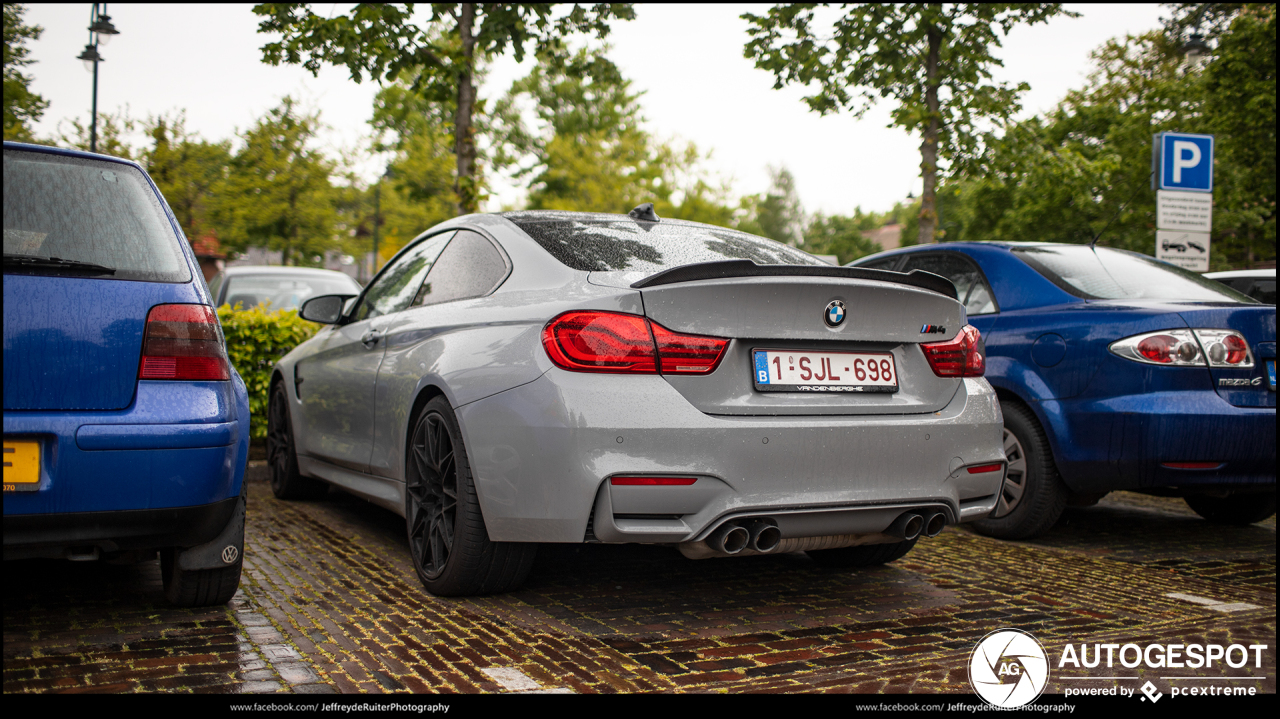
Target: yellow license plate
(21,466)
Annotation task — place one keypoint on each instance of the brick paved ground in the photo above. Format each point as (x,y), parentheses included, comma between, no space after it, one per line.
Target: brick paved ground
(329,603)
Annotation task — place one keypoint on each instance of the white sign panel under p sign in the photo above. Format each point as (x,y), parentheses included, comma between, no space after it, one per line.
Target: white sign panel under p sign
(1189,250)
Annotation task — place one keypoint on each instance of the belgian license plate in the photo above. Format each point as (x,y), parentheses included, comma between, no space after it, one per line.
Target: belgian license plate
(21,466)
(1271,374)
(806,371)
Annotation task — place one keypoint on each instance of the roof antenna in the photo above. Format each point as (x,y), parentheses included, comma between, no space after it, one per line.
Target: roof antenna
(1093,245)
(644,213)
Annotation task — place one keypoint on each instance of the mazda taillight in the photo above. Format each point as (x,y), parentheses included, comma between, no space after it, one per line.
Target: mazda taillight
(593,341)
(1187,348)
(182,342)
(958,357)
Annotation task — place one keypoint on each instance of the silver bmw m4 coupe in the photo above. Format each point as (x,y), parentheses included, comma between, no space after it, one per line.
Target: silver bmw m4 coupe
(525,377)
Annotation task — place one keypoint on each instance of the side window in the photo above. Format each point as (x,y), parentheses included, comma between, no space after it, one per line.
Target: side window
(214,285)
(399,284)
(469,267)
(971,288)
(886,264)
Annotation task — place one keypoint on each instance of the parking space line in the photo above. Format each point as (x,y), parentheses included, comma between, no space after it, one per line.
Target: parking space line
(514,680)
(1213,604)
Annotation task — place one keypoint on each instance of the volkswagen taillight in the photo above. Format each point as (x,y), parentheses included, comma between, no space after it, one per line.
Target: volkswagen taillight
(182,342)
(595,341)
(957,357)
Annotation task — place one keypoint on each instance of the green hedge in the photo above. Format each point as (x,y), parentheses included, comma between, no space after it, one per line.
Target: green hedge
(256,340)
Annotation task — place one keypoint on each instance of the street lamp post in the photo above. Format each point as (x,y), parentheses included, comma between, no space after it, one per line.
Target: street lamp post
(100,32)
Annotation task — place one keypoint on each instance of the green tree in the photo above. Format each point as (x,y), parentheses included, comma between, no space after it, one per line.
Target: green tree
(1086,165)
(840,236)
(114,131)
(1240,110)
(278,192)
(591,151)
(934,60)
(22,107)
(188,170)
(441,54)
(777,214)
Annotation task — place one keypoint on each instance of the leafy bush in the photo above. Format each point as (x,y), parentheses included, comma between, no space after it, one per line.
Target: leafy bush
(256,339)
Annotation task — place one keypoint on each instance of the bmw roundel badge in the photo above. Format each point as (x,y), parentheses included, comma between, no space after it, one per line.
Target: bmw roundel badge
(834,314)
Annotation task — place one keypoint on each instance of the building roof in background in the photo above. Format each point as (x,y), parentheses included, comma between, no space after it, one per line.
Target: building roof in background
(207,245)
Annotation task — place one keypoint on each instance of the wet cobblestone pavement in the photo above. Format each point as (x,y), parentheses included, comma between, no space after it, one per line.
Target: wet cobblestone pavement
(329,604)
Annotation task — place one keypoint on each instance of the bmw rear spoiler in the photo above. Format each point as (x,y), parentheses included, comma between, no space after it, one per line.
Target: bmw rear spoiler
(747,268)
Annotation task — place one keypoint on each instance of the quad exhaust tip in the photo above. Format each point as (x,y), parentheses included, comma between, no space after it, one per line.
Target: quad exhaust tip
(765,536)
(730,539)
(908,525)
(935,524)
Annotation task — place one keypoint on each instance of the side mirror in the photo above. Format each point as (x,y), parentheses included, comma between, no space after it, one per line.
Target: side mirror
(325,309)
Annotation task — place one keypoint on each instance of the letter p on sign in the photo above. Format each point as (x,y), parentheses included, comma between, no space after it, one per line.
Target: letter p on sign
(1185,162)
(1185,155)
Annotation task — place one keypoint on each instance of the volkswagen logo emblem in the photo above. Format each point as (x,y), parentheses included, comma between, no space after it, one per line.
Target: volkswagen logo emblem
(834,314)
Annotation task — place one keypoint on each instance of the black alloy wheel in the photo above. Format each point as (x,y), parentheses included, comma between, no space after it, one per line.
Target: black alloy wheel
(448,540)
(282,456)
(432,495)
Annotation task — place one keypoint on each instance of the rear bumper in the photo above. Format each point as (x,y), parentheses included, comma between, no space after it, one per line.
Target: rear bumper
(180,444)
(1124,442)
(51,535)
(540,454)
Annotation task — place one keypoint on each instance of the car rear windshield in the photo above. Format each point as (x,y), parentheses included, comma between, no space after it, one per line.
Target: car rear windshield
(284,292)
(84,213)
(1106,274)
(595,243)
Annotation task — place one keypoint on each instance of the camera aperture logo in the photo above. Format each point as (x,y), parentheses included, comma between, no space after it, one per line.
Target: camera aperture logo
(1008,668)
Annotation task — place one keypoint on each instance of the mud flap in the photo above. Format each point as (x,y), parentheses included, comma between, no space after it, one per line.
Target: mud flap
(222,551)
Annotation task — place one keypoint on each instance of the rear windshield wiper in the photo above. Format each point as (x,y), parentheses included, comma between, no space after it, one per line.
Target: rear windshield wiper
(57,263)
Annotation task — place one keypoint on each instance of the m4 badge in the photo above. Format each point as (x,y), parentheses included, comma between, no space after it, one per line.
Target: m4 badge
(932,329)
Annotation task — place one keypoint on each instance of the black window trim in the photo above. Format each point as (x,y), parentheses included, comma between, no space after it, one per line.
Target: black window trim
(349,316)
(972,263)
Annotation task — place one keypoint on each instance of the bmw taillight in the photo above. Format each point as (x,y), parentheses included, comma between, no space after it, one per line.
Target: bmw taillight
(594,341)
(182,342)
(1187,348)
(957,357)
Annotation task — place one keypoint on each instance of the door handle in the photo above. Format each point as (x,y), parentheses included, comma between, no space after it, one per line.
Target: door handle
(371,338)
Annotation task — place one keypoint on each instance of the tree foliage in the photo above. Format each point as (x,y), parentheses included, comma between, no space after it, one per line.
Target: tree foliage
(933,60)
(278,193)
(1086,165)
(189,171)
(440,54)
(22,107)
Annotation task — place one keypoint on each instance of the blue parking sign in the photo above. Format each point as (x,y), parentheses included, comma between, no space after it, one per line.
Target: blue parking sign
(1185,162)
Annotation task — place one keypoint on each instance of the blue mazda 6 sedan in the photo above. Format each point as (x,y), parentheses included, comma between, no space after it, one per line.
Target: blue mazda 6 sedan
(1115,371)
(126,430)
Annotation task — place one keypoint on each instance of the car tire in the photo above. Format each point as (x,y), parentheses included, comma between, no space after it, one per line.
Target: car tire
(1033,495)
(448,541)
(199,587)
(282,455)
(1238,509)
(866,555)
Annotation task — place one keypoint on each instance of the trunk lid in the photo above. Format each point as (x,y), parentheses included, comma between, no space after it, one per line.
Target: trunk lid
(787,313)
(74,343)
(1258,325)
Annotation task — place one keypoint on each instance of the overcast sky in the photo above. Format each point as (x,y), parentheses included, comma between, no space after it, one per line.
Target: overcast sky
(686,58)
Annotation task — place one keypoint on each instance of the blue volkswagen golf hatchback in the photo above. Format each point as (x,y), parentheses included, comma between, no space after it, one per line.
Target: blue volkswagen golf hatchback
(126,430)
(1115,371)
